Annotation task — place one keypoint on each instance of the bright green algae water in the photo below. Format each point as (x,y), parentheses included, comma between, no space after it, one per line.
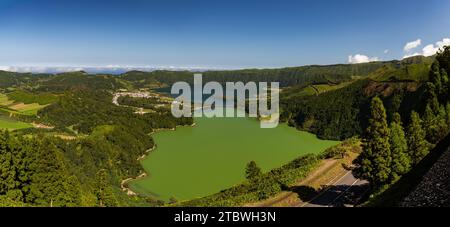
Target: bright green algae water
(198,161)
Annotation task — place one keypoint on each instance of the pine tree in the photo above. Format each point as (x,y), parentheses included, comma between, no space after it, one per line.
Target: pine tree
(429,125)
(104,193)
(435,77)
(7,168)
(401,161)
(72,187)
(48,175)
(418,146)
(442,127)
(431,97)
(447,111)
(444,77)
(439,71)
(445,85)
(443,57)
(13,198)
(11,165)
(374,163)
(252,171)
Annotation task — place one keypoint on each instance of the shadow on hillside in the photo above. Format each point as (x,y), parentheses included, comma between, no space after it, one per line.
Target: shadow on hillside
(334,195)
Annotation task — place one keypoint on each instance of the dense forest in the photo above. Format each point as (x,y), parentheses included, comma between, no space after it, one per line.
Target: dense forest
(33,172)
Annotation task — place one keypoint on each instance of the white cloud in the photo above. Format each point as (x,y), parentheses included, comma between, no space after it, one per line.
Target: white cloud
(412,45)
(443,43)
(359,58)
(39,69)
(431,49)
(5,68)
(386,51)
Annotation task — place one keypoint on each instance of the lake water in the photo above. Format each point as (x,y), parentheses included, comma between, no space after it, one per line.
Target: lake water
(202,160)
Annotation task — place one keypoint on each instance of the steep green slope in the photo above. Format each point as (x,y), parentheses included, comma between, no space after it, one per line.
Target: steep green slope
(342,113)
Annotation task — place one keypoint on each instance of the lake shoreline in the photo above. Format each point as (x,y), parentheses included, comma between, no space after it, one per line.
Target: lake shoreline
(124,183)
(215,150)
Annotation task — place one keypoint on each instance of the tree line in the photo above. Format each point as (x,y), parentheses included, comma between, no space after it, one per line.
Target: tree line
(391,150)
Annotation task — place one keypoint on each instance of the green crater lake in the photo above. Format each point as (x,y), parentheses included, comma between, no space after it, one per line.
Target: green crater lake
(198,161)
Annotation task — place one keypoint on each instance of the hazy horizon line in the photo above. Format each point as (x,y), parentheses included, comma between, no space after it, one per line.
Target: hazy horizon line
(119,69)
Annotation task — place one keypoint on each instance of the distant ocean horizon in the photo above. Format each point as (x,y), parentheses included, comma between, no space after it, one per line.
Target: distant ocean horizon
(102,69)
(119,69)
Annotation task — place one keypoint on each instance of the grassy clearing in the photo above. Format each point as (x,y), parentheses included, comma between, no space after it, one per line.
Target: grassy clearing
(415,72)
(296,92)
(4,101)
(101,130)
(321,88)
(27,109)
(10,124)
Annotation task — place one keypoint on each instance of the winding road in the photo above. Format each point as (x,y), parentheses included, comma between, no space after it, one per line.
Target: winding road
(344,192)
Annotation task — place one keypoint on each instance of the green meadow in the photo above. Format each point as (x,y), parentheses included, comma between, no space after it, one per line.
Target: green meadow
(198,161)
(13,107)
(10,124)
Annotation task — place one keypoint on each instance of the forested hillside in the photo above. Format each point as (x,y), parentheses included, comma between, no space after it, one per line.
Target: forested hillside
(86,145)
(294,76)
(343,112)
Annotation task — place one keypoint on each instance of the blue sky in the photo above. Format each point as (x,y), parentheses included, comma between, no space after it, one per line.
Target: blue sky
(222,34)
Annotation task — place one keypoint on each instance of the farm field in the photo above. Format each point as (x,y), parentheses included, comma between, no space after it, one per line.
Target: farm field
(14,107)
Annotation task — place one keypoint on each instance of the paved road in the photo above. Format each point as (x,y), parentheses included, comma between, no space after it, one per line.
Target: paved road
(345,191)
